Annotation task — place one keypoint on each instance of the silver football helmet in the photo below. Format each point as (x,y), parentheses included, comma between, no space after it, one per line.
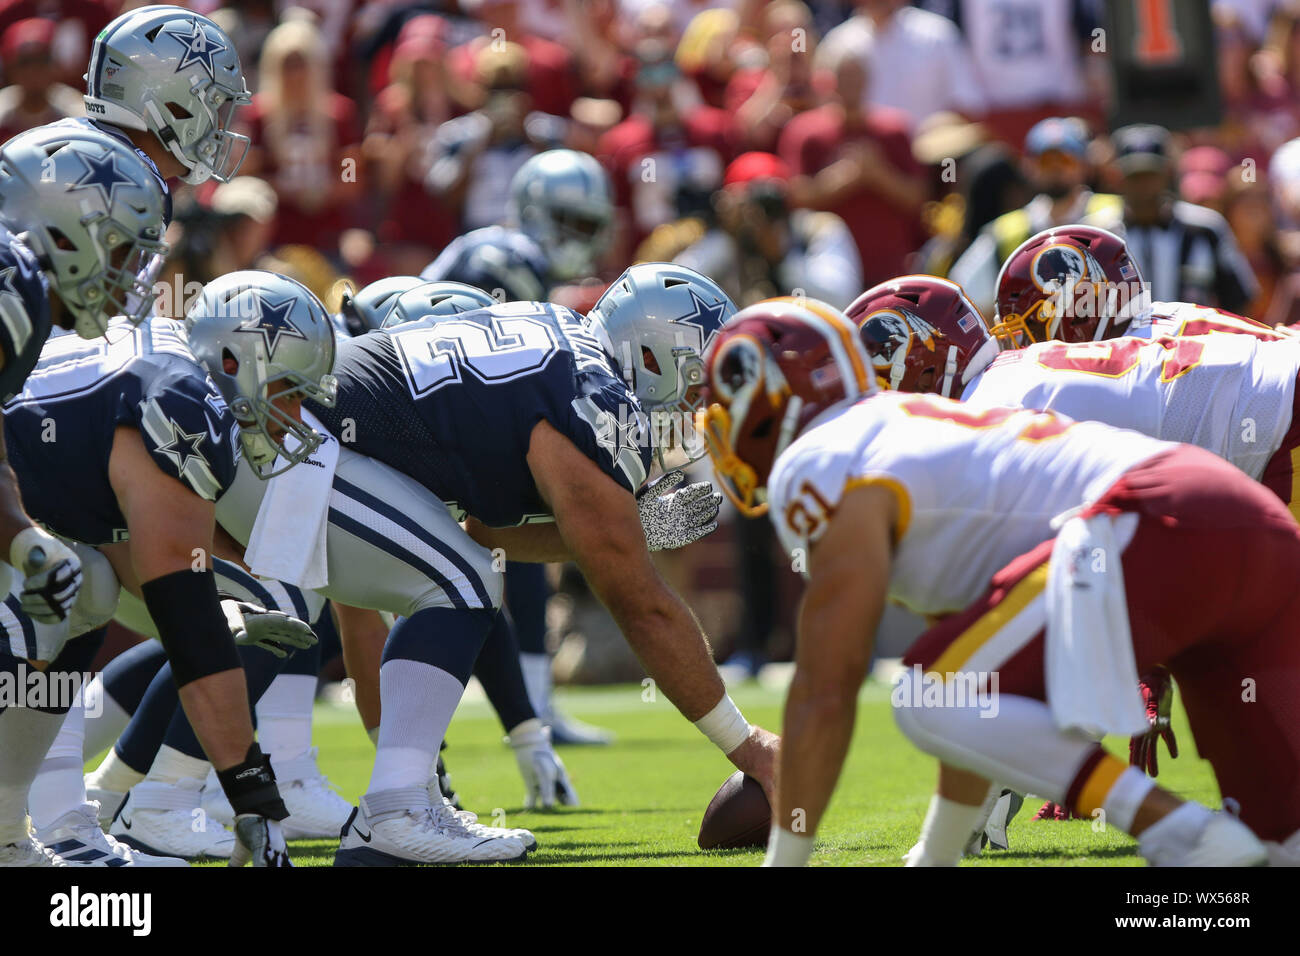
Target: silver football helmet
(92,212)
(562,200)
(250,329)
(660,318)
(174,73)
(436,299)
(371,304)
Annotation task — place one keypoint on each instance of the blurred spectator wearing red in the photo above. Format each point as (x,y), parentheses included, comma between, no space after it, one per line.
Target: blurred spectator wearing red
(475,156)
(857,163)
(33,96)
(765,99)
(75,24)
(302,133)
(760,248)
(551,77)
(671,150)
(412,224)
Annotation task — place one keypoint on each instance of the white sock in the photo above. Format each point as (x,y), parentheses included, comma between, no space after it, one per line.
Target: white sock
(284,716)
(172,766)
(58,786)
(105,719)
(417,702)
(114,774)
(537,681)
(945,833)
(1125,796)
(25,736)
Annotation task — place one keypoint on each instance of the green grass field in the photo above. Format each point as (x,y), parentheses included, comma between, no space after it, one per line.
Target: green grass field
(643,797)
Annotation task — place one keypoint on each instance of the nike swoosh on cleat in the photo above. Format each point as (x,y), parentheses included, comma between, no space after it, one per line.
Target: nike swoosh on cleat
(365,837)
(126,823)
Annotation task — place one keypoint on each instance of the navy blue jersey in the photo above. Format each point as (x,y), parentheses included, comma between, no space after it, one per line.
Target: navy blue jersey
(120,135)
(452,403)
(59,429)
(24,313)
(494,258)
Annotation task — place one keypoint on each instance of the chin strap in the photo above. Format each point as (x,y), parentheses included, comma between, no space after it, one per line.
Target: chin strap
(949,372)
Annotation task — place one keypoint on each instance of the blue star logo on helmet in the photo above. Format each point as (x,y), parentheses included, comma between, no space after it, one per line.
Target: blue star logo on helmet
(199,48)
(706,318)
(102,173)
(272,322)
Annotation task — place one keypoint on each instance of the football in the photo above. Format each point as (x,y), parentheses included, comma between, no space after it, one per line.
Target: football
(738,816)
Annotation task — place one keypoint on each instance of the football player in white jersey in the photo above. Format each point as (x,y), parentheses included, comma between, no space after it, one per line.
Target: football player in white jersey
(950,511)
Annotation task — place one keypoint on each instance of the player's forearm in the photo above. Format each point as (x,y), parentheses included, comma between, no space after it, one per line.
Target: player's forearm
(531,543)
(13,518)
(362,633)
(814,742)
(668,641)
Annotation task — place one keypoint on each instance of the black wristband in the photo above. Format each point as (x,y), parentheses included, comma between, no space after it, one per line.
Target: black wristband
(191,625)
(250,786)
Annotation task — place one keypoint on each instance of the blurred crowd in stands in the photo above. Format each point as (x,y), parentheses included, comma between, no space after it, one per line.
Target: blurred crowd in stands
(821,146)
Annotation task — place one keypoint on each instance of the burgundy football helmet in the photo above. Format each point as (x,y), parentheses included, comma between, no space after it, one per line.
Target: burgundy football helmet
(1073,283)
(923,334)
(772,368)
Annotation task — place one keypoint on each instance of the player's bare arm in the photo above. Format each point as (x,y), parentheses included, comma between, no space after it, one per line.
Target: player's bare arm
(849,578)
(598,521)
(172,528)
(362,632)
(539,543)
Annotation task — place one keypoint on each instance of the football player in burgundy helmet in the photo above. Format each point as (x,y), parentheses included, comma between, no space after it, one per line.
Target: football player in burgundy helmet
(1073,283)
(923,334)
(773,368)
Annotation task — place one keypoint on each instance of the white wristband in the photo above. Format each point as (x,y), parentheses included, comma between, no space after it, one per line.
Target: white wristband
(725,725)
(30,537)
(787,849)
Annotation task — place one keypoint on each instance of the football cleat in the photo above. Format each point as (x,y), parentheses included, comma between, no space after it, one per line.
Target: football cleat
(316,811)
(469,820)
(1004,810)
(109,801)
(565,731)
(77,838)
(166,819)
(400,828)
(29,852)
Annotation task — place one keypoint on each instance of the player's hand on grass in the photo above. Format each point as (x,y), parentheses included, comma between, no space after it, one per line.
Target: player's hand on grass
(52,575)
(259,840)
(545,778)
(1158,694)
(274,631)
(675,518)
(757,757)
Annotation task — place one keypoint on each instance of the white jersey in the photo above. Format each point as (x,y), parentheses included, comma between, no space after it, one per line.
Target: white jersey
(1187,318)
(975,489)
(1229,394)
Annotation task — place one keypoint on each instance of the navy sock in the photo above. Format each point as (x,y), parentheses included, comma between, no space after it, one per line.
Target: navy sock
(527,592)
(127,676)
(498,671)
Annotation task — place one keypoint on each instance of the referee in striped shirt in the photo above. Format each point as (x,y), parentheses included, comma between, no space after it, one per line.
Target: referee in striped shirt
(1186,252)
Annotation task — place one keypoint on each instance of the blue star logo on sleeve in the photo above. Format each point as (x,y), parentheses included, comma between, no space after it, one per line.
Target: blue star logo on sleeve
(705,319)
(101,173)
(199,48)
(182,447)
(272,322)
(7,286)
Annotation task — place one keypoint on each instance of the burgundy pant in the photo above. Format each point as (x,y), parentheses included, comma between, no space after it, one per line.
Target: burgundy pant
(1212,577)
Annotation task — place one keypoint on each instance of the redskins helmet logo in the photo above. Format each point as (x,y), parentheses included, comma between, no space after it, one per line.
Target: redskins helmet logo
(888,333)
